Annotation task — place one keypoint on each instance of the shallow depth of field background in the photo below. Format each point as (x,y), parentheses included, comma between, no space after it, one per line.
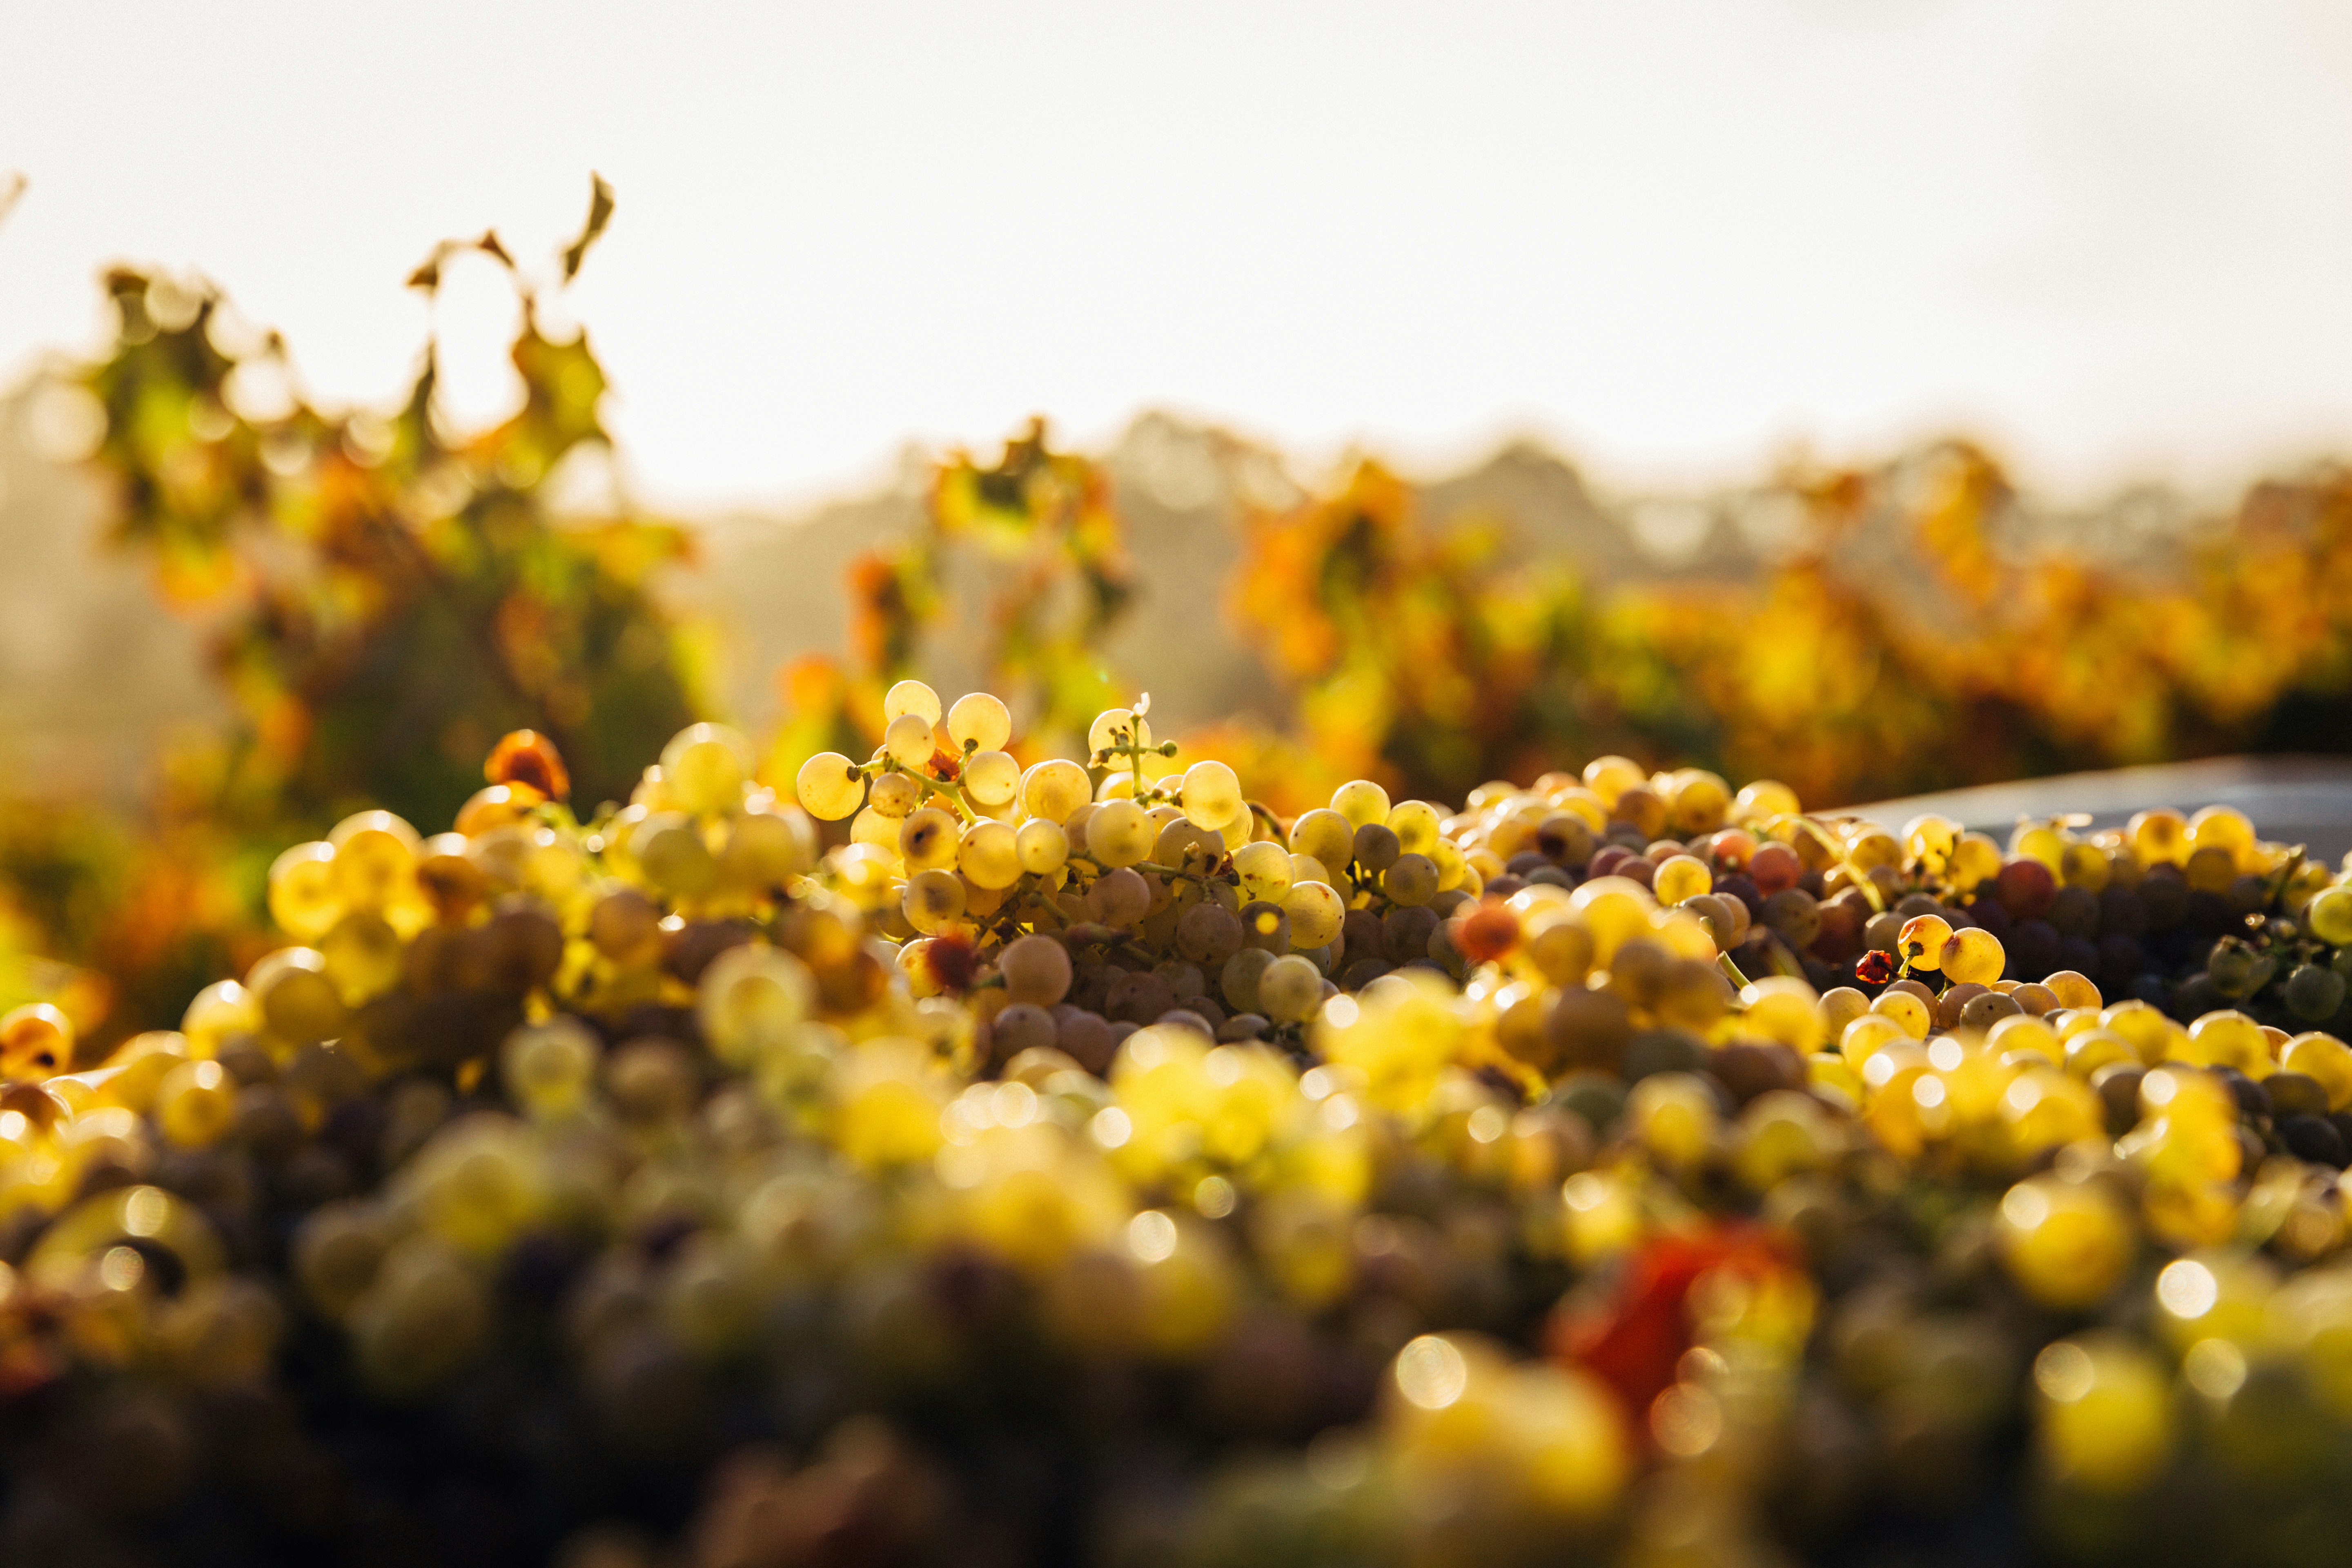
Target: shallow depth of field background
(1877,397)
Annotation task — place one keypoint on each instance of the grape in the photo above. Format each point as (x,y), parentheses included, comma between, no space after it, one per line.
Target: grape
(992,778)
(1973,956)
(1036,969)
(1186,846)
(1409,879)
(2066,1243)
(753,996)
(1610,777)
(913,698)
(1361,802)
(705,767)
(979,723)
(2315,993)
(1209,934)
(549,1067)
(1265,871)
(196,1104)
(303,898)
(934,901)
(1314,912)
(829,786)
(1118,834)
(1212,792)
(1681,877)
(671,851)
(1119,898)
(765,848)
(1116,730)
(37,1040)
(893,796)
(363,957)
(1417,825)
(374,860)
(1055,790)
(1238,980)
(2158,837)
(1041,846)
(1289,990)
(928,838)
(989,854)
(909,741)
(2329,917)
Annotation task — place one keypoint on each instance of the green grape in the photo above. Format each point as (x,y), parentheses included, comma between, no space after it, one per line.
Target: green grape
(217,1014)
(1043,846)
(1363,803)
(1185,844)
(988,855)
(1289,990)
(1117,728)
(1265,870)
(196,1104)
(2067,1244)
(1237,982)
(1314,913)
(980,723)
(1036,970)
(671,851)
(893,794)
(927,839)
(1212,792)
(1325,836)
(750,999)
(2315,993)
(872,828)
(1417,825)
(1055,790)
(705,767)
(1973,954)
(992,778)
(1119,833)
(375,859)
(908,741)
(2330,916)
(765,848)
(298,1004)
(829,786)
(2105,1413)
(549,1069)
(363,957)
(934,900)
(911,697)
(303,898)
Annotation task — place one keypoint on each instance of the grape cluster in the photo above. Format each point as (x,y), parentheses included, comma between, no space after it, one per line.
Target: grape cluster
(1077,1162)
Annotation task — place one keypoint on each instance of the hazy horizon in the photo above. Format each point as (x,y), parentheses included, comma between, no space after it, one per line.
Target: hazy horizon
(2114,243)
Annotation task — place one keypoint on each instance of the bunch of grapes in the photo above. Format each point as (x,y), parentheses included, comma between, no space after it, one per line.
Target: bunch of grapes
(1080,1162)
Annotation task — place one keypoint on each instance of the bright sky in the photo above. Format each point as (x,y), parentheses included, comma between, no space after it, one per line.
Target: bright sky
(1671,238)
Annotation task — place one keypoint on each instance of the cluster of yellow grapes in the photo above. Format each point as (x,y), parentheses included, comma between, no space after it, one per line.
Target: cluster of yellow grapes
(1487,1185)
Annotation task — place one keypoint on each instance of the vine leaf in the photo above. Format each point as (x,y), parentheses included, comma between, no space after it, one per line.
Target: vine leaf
(600,212)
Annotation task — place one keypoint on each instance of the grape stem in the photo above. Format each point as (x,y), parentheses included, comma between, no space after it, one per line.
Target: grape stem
(1846,862)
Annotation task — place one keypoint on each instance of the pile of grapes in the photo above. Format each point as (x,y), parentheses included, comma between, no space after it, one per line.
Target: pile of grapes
(1078,1164)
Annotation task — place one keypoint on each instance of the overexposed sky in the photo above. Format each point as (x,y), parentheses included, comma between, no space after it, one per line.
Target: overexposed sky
(1671,238)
